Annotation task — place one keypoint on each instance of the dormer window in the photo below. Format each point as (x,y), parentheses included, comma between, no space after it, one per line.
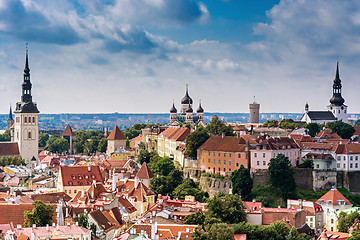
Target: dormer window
(80,177)
(73,177)
(70,183)
(321,201)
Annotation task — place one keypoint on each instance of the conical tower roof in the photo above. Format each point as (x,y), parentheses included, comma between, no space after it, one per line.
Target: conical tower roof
(116,134)
(68,132)
(145,172)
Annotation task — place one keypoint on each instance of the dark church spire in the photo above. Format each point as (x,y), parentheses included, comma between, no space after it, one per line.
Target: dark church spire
(337,99)
(26,85)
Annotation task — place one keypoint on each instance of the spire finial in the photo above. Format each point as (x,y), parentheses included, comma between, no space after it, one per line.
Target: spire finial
(187,87)
(337,71)
(27,58)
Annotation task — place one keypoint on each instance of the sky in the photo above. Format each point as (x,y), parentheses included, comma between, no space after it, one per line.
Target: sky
(103,56)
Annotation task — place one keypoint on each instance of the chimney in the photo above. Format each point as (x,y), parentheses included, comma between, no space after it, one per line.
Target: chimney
(34,225)
(47,227)
(223,135)
(136,182)
(114,182)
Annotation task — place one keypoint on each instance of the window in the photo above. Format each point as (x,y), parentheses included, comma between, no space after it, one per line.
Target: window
(229,162)
(255,154)
(351,158)
(344,158)
(351,165)
(263,155)
(239,156)
(258,163)
(264,163)
(29,135)
(224,154)
(214,161)
(229,154)
(203,160)
(338,165)
(344,165)
(69,191)
(356,158)
(219,154)
(224,162)
(25,119)
(237,164)
(311,219)
(214,153)
(356,165)
(219,163)
(209,160)
(33,119)
(338,158)
(317,166)
(332,221)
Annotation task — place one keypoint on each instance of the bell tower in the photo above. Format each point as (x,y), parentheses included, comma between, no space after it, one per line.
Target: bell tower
(337,106)
(26,131)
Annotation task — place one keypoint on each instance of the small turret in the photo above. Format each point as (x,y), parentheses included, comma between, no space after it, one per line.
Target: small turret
(306,107)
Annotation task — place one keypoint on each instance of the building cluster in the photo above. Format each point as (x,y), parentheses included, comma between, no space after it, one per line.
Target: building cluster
(114,192)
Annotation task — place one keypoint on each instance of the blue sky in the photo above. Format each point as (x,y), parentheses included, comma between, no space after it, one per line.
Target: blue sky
(137,55)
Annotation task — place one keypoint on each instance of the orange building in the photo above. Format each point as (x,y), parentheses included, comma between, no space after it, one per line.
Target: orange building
(223,155)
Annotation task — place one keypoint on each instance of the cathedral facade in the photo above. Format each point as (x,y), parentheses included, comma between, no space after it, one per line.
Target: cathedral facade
(187,114)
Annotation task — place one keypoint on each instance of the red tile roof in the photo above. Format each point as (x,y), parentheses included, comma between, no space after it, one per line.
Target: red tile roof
(9,149)
(17,213)
(51,197)
(333,198)
(137,139)
(101,220)
(180,135)
(224,144)
(68,132)
(353,148)
(80,176)
(145,172)
(116,134)
(328,134)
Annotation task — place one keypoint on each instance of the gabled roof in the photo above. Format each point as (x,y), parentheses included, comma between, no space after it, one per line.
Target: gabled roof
(180,134)
(353,148)
(321,115)
(116,134)
(51,197)
(9,149)
(145,172)
(68,132)
(101,220)
(80,176)
(224,144)
(333,198)
(328,134)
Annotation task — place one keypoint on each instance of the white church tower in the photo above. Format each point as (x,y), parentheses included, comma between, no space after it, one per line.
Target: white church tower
(337,106)
(26,131)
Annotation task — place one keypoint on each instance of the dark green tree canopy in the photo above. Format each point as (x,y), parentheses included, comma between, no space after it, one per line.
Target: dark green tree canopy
(344,130)
(194,140)
(218,127)
(41,215)
(282,176)
(59,145)
(313,128)
(242,182)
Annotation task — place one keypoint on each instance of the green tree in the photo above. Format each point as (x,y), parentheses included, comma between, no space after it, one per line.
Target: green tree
(194,140)
(282,176)
(355,235)
(270,123)
(200,234)
(307,163)
(252,231)
(293,234)
(218,127)
(82,220)
(163,166)
(159,185)
(60,145)
(5,137)
(288,124)
(277,231)
(174,179)
(345,221)
(242,182)
(197,218)
(146,156)
(41,215)
(189,187)
(102,145)
(228,208)
(43,138)
(221,231)
(344,130)
(313,128)
(357,123)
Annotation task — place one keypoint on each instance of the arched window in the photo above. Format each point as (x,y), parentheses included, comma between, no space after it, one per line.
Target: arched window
(33,119)
(29,135)
(25,119)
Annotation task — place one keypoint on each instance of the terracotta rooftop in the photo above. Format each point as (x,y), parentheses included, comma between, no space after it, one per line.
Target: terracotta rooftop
(328,134)
(116,134)
(137,139)
(68,132)
(145,172)
(224,144)
(333,198)
(9,149)
(101,220)
(80,176)
(353,148)
(51,197)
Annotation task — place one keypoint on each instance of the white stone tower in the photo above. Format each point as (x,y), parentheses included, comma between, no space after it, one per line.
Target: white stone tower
(254,112)
(26,131)
(337,106)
